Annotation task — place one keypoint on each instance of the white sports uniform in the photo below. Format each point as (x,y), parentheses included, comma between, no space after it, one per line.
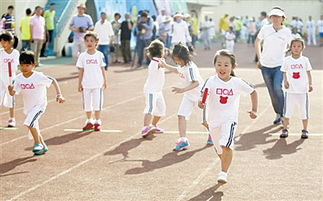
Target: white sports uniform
(5,99)
(187,75)
(34,93)
(155,103)
(296,94)
(230,41)
(92,81)
(222,107)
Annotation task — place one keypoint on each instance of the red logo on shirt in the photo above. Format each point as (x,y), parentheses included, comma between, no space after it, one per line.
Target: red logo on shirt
(296,66)
(223,99)
(7,60)
(181,75)
(91,61)
(296,75)
(226,92)
(27,86)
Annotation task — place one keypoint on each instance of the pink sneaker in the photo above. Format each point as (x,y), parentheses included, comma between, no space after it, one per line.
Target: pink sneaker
(159,130)
(147,130)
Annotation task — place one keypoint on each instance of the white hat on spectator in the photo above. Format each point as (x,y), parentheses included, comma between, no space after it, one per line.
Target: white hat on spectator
(178,15)
(277,11)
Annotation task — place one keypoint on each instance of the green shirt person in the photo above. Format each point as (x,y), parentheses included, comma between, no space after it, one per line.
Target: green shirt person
(50,21)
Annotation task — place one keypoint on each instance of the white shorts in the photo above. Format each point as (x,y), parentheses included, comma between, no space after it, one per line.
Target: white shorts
(32,117)
(186,107)
(155,104)
(301,100)
(5,98)
(92,99)
(223,135)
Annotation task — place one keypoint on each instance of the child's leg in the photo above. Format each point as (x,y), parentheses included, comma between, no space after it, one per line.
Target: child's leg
(181,126)
(12,112)
(285,123)
(147,119)
(35,135)
(97,115)
(226,158)
(88,115)
(305,123)
(155,120)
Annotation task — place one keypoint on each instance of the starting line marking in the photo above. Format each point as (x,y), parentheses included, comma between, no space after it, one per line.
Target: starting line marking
(104,131)
(187,132)
(8,128)
(299,134)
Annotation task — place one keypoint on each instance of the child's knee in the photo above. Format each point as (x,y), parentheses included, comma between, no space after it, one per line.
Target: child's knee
(181,117)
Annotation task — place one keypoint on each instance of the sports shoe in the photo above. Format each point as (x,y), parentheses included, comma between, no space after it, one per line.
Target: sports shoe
(278,119)
(223,177)
(97,125)
(147,130)
(181,145)
(304,134)
(38,149)
(11,123)
(209,140)
(88,126)
(284,133)
(159,130)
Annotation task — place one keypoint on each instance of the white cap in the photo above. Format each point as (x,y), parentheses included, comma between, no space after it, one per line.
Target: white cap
(178,15)
(278,12)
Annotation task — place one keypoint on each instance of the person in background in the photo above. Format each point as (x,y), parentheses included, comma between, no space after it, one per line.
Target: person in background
(310,26)
(25,31)
(50,21)
(126,28)
(116,42)
(8,21)
(195,27)
(320,29)
(251,26)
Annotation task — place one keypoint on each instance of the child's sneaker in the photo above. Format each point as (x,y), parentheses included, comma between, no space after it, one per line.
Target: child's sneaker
(147,130)
(97,125)
(159,130)
(304,134)
(223,177)
(284,133)
(181,144)
(11,123)
(88,126)
(209,140)
(38,149)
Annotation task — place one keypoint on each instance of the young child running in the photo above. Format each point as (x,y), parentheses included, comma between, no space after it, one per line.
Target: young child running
(192,84)
(92,81)
(155,103)
(298,82)
(222,106)
(32,85)
(8,55)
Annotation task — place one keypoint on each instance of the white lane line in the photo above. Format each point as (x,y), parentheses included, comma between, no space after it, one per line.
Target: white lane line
(299,134)
(82,163)
(104,131)
(68,121)
(197,180)
(187,132)
(8,128)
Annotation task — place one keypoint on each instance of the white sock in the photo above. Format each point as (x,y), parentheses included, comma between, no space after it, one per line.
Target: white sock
(98,121)
(184,138)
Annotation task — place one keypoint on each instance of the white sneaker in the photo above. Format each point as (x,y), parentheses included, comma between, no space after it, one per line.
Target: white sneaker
(11,123)
(222,178)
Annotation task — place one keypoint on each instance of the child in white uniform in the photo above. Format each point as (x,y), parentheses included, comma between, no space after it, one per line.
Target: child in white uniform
(222,107)
(8,55)
(192,84)
(92,81)
(155,103)
(32,85)
(229,39)
(297,81)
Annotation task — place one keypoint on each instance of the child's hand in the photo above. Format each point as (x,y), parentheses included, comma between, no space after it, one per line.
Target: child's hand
(310,88)
(80,88)
(258,64)
(10,88)
(60,98)
(104,86)
(162,63)
(286,84)
(177,90)
(252,114)
(201,105)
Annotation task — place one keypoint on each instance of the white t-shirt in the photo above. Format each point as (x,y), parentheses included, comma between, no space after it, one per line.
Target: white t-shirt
(4,70)
(33,90)
(274,46)
(310,25)
(320,26)
(222,103)
(180,32)
(230,36)
(92,64)
(296,72)
(104,31)
(187,75)
(156,77)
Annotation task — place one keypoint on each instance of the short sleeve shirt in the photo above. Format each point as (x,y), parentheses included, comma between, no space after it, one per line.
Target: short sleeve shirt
(25,28)
(92,64)
(49,19)
(5,58)
(222,104)
(84,21)
(296,72)
(38,27)
(156,77)
(33,90)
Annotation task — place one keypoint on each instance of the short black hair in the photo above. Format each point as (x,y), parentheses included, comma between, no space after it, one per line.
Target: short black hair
(38,7)
(6,36)
(117,14)
(28,11)
(155,49)
(10,7)
(27,57)
(182,52)
(143,14)
(52,4)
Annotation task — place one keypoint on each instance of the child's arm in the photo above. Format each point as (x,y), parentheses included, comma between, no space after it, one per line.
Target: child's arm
(11,91)
(254,103)
(286,84)
(193,85)
(309,76)
(104,78)
(81,72)
(59,96)
(163,64)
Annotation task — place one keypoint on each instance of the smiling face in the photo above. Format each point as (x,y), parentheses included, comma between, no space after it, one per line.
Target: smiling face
(276,20)
(90,42)
(6,44)
(223,67)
